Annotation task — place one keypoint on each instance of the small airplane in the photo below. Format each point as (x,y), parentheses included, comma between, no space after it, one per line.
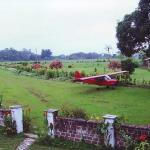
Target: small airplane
(100,80)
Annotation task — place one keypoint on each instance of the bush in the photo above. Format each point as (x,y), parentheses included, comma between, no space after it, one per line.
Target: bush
(128,65)
(10,126)
(36,66)
(27,69)
(49,74)
(66,144)
(27,125)
(73,112)
(56,64)
(136,64)
(79,113)
(83,74)
(114,65)
(70,66)
(41,71)
(24,63)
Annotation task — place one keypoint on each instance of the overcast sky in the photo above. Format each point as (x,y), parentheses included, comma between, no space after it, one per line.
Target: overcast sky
(64,26)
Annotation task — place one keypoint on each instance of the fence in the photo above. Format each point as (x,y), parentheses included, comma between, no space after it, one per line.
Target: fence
(80,129)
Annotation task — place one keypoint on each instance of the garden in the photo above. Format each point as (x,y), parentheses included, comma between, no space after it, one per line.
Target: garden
(39,86)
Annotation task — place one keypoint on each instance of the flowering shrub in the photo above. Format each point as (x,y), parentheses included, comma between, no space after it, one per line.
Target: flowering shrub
(143,138)
(56,64)
(36,66)
(114,65)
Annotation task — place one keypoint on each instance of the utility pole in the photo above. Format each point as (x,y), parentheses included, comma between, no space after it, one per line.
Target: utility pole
(36,56)
(108,50)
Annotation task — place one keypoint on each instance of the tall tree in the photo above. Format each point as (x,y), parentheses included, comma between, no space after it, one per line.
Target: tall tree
(46,54)
(133,32)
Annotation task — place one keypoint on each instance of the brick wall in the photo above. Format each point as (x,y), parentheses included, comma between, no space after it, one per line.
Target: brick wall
(77,129)
(134,131)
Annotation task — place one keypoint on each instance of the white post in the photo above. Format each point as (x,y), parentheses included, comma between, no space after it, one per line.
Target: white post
(110,137)
(17,116)
(51,114)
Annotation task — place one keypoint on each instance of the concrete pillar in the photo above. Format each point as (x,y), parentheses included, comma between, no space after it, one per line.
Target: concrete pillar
(110,136)
(17,116)
(51,114)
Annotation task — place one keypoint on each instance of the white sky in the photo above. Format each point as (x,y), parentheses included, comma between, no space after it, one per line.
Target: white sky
(64,26)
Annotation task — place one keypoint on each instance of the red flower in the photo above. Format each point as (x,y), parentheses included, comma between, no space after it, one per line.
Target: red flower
(143,138)
(36,66)
(56,64)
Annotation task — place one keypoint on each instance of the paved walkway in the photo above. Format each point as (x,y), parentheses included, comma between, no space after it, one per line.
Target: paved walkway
(27,142)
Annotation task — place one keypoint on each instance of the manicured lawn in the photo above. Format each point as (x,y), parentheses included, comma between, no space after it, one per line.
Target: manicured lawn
(141,74)
(39,95)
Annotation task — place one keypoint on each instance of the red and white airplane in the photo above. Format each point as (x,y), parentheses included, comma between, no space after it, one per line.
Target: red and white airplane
(100,80)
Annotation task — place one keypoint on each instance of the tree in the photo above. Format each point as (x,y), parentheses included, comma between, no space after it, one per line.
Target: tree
(133,32)
(46,54)
(128,65)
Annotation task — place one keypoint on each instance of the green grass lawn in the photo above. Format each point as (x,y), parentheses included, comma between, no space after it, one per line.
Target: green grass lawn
(9,143)
(141,74)
(40,94)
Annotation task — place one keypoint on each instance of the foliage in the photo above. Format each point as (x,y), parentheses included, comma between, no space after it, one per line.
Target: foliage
(49,74)
(114,65)
(36,66)
(10,125)
(41,71)
(143,146)
(128,65)
(73,112)
(46,54)
(79,113)
(24,63)
(102,130)
(11,54)
(70,145)
(1,100)
(27,121)
(56,64)
(133,32)
(82,55)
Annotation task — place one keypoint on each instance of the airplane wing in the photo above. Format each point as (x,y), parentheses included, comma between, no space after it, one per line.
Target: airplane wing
(109,74)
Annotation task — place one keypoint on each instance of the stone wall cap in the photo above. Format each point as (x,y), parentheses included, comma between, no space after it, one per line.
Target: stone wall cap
(108,116)
(52,110)
(15,107)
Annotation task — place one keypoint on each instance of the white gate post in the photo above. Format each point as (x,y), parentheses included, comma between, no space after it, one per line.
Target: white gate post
(110,137)
(17,116)
(51,115)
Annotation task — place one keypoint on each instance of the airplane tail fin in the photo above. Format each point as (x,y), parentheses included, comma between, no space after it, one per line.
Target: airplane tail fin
(77,75)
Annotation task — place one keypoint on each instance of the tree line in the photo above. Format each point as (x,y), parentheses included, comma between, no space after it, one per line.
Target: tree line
(11,54)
